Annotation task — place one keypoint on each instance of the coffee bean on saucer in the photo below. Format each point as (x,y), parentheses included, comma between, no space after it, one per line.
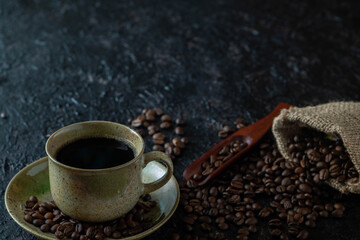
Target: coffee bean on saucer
(136,222)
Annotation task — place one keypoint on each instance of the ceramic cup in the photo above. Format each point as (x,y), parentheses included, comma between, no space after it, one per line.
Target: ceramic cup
(98,195)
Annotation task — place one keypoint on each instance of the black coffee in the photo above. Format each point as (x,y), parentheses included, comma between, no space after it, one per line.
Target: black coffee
(95,153)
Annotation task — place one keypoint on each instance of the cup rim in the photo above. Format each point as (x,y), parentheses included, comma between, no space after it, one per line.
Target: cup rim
(140,153)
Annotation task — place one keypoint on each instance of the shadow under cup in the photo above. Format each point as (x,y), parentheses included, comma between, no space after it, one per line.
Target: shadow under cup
(95,195)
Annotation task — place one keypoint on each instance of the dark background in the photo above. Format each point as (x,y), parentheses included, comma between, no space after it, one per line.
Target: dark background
(209,61)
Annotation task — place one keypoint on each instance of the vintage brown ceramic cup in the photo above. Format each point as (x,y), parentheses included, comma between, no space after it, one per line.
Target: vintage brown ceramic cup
(98,195)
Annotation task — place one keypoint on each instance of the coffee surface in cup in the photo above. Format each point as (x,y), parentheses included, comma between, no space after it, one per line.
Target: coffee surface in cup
(95,153)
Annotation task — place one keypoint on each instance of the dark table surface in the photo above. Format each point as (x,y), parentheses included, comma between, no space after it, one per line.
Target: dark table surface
(209,61)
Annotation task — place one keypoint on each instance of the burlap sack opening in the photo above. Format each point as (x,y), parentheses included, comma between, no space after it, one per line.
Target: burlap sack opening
(342,118)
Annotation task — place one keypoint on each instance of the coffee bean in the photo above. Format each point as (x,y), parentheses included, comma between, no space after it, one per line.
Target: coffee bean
(165,125)
(310,223)
(205,227)
(49,215)
(213,191)
(324,213)
(275,232)
(28,218)
(157,147)
(253,228)
(136,123)
(83,237)
(179,131)
(166,118)
(284,236)
(275,222)
(338,213)
(304,234)
(223,226)
(175,236)
(75,235)
(150,115)
(60,235)
(251,221)
(305,187)
(45,227)
(176,151)
(116,235)
(223,134)
(265,212)
(339,206)
(324,174)
(38,222)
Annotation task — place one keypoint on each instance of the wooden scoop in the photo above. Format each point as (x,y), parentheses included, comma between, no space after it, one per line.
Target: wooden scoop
(250,135)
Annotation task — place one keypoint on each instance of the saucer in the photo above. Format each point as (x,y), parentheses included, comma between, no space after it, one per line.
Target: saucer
(34,180)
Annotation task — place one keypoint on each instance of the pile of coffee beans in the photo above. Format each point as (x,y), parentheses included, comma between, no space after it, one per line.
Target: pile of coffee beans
(216,160)
(167,134)
(289,196)
(49,218)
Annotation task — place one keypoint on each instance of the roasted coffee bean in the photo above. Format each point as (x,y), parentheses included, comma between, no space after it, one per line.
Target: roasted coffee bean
(338,213)
(38,222)
(304,234)
(253,228)
(339,206)
(75,235)
(28,218)
(116,235)
(49,215)
(205,227)
(165,125)
(157,147)
(175,236)
(54,228)
(275,232)
(223,226)
(150,115)
(275,222)
(83,237)
(223,134)
(265,212)
(166,118)
(136,123)
(33,199)
(159,111)
(45,227)
(310,223)
(251,221)
(179,131)
(60,235)
(108,231)
(284,236)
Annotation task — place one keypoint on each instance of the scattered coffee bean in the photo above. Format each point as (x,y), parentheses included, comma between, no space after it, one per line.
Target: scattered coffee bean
(166,118)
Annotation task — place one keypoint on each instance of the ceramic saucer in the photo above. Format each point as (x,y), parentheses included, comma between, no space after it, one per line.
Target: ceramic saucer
(34,180)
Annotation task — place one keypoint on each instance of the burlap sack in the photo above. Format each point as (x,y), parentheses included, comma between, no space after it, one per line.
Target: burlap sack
(342,118)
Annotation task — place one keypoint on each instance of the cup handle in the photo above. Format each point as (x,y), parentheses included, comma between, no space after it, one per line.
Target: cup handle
(163,158)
